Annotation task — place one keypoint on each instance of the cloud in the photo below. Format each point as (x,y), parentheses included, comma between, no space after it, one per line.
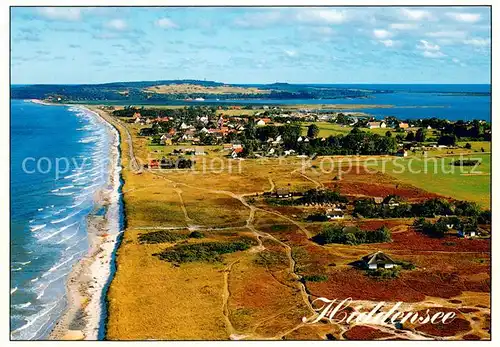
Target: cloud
(71,14)
(321,16)
(290,53)
(478,42)
(458,62)
(427,46)
(116,24)
(388,43)
(309,16)
(166,23)
(416,15)
(381,33)
(430,50)
(403,26)
(464,17)
(257,20)
(447,34)
(429,54)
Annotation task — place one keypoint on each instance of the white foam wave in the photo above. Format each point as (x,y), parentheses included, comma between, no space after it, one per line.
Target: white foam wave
(37,227)
(74,175)
(57,232)
(65,218)
(64,194)
(21,306)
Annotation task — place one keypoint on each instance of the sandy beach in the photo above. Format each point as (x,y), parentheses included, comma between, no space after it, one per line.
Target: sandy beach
(85,315)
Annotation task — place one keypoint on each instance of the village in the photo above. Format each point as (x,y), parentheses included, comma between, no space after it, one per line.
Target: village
(273,132)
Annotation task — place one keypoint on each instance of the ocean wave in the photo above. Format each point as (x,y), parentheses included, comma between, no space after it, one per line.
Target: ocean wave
(91,186)
(89,139)
(58,212)
(57,221)
(21,306)
(76,243)
(22,262)
(34,318)
(76,204)
(74,175)
(79,179)
(37,227)
(13,290)
(64,194)
(59,265)
(45,238)
(69,237)
(34,279)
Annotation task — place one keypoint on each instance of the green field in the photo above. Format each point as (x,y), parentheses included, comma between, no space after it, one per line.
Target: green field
(434,175)
(327,129)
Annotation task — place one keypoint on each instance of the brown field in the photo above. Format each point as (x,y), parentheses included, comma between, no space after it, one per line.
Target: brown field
(261,293)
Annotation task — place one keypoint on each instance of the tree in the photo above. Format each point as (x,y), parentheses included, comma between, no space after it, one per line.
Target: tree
(468,146)
(312,131)
(420,135)
(447,140)
(388,133)
(410,136)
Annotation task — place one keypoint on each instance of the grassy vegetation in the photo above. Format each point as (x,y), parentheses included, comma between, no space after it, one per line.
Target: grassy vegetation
(439,176)
(477,145)
(331,129)
(162,236)
(315,278)
(207,252)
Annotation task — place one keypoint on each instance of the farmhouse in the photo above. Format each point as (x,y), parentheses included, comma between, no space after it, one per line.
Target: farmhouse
(283,193)
(374,125)
(335,213)
(263,121)
(378,260)
(466,234)
(166,139)
(235,153)
(402,153)
(392,201)
(154,164)
(403,125)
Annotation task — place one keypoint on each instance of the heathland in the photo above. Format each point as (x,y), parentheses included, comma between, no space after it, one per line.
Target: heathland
(228,247)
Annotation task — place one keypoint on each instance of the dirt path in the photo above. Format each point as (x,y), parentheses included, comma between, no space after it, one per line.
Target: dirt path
(225,298)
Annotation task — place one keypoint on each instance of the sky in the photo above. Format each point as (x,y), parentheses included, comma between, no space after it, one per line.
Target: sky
(74,45)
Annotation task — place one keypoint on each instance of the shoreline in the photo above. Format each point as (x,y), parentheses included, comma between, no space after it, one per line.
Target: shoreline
(85,315)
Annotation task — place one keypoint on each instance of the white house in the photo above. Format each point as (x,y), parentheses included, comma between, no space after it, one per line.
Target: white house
(378,260)
(466,233)
(335,213)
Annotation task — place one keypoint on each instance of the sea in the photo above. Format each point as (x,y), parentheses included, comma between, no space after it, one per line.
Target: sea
(59,162)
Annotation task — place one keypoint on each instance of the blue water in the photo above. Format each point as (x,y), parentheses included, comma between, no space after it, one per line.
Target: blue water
(49,206)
